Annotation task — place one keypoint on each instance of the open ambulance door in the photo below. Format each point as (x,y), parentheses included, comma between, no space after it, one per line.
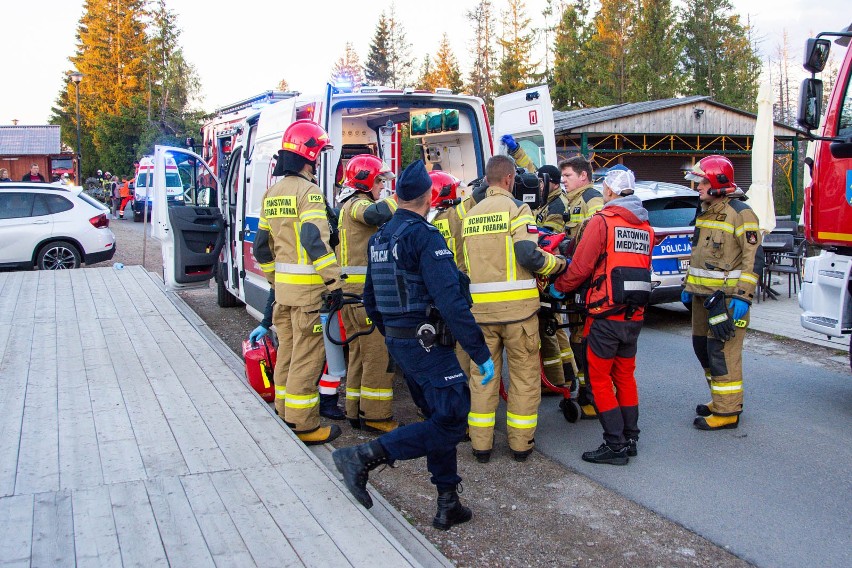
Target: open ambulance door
(528,116)
(190,227)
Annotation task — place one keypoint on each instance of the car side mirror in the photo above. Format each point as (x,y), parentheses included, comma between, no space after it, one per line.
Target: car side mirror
(810,104)
(816,54)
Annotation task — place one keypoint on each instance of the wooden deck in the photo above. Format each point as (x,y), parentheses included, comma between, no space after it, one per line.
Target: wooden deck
(127,440)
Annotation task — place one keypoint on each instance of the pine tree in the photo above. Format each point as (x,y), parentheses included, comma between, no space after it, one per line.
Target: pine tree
(655,53)
(569,85)
(426,79)
(447,72)
(481,78)
(400,61)
(347,69)
(377,68)
(515,70)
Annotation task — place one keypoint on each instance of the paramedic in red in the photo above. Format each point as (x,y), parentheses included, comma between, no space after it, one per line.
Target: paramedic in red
(614,258)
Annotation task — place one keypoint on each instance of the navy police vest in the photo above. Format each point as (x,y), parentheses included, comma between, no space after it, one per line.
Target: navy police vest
(397,291)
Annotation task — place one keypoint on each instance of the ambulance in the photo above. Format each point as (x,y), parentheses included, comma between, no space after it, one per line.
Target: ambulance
(142,188)
(211,237)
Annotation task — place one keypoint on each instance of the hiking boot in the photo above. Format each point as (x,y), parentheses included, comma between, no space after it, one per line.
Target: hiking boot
(482,456)
(632,450)
(319,436)
(354,463)
(379,426)
(607,454)
(588,412)
(328,407)
(704,409)
(521,456)
(714,422)
(450,511)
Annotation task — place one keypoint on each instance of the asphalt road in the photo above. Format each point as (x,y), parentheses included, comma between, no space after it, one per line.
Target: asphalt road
(777,491)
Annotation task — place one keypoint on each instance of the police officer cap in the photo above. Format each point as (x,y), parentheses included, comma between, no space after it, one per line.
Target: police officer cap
(552,172)
(413,182)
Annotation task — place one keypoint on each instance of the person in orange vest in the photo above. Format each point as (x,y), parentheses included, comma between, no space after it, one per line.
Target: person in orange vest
(614,257)
(126,196)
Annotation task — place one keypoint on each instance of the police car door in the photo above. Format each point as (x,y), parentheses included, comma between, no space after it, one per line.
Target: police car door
(528,116)
(190,228)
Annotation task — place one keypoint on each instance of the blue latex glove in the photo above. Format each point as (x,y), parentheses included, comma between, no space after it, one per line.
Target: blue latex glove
(487,371)
(509,141)
(257,334)
(686,297)
(740,308)
(553,292)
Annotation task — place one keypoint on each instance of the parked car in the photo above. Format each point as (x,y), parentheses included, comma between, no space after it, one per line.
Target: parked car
(52,227)
(671,210)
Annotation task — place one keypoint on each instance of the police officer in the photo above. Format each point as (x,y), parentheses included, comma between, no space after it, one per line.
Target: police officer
(500,240)
(583,202)
(292,249)
(721,277)
(369,378)
(615,256)
(410,271)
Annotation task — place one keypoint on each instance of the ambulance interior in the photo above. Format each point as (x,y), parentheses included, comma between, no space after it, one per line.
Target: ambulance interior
(447,138)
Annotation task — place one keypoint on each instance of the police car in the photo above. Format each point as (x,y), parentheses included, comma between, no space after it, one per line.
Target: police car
(671,210)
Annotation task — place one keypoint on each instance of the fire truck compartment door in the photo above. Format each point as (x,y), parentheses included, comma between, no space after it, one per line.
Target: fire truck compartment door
(528,116)
(191,230)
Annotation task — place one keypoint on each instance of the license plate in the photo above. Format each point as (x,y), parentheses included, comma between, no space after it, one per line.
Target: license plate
(683,264)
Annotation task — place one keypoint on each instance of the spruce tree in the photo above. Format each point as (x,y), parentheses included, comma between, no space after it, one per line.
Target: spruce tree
(447,73)
(655,53)
(426,78)
(570,77)
(347,69)
(400,61)
(377,68)
(515,70)
(610,72)
(481,78)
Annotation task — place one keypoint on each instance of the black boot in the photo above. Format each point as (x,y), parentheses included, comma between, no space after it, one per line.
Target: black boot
(328,407)
(607,454)
(450,510)
(630,414)
(570,377)
(354,463)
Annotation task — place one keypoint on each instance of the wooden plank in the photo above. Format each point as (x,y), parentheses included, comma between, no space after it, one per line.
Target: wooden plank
(118,293)
(25,304)
(154,290)
(101,296)
(38,453)
(12,284)
(84,304)
(154,437)
(298,524)
(141,302)
(64,293)
(16,530)
(198,446)
(176,522)
(53,530)
(264,539)
(14,371)
(236,444)
(95,537)
(45,301)
(224,541)
(136,528)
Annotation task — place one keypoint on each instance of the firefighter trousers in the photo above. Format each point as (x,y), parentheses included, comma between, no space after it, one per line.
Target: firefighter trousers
(521,341)
(611,363)
(369,379)
(724,359)
(300,361)
(566,354)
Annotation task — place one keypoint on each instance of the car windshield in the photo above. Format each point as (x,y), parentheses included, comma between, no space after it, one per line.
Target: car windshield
(669,213)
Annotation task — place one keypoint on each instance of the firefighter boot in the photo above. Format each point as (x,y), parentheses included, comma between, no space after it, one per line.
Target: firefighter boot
(714,422)
(354,463)
(588,412)
(607,453)
(321,435)
(704,409)
(379,426)
(570,376)
(450,510)
(328,407)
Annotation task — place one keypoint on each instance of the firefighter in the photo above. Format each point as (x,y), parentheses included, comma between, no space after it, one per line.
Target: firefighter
(721,277)
(369,376)
(500,241)
(292,249)
(556,355)
(583,202)
(615,254)
(411,271)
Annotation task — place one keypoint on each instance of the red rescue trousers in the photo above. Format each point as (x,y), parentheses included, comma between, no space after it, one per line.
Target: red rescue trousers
(124,202)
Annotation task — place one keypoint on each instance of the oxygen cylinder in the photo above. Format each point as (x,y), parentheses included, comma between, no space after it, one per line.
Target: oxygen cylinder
(334,355)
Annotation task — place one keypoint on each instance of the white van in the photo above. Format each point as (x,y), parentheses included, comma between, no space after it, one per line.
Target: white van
(451,132)
(144,181)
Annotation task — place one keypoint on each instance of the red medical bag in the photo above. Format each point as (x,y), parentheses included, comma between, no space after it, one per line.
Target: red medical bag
(260,364)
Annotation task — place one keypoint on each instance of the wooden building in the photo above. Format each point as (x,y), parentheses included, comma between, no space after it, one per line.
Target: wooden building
(22,146)
(659,139)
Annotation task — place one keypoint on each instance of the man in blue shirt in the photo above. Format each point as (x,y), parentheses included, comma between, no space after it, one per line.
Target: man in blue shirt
(411,275)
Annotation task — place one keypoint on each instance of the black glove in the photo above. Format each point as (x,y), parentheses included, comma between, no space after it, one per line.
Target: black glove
(334,300)
(721,325)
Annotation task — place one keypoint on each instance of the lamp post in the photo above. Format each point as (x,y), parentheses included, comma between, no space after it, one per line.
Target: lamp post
(76,76)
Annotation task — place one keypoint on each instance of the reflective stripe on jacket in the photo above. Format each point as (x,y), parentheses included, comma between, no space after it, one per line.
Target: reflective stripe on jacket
(582,204)
(355,232)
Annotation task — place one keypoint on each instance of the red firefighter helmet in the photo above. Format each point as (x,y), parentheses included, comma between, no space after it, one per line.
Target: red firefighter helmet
(305,138)
(719,171)
(444,187)
(362,171)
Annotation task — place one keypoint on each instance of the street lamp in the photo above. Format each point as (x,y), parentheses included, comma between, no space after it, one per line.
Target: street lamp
(76,76)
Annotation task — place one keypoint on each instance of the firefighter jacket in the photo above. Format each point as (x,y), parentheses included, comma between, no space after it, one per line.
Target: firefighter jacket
(501,252)
(723,248)
(291,245)
(522,160)
(359,218)
(614,257)
(550,215)
(582,203)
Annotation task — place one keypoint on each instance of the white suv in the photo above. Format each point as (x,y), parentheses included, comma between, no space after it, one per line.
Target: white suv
(52,227)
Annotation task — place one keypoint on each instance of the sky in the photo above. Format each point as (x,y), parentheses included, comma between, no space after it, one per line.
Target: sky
(238,55)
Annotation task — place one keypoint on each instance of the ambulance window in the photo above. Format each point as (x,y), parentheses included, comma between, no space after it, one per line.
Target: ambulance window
(234,177)
(533,145)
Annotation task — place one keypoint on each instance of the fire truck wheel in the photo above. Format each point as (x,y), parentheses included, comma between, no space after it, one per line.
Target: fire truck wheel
(224,299)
